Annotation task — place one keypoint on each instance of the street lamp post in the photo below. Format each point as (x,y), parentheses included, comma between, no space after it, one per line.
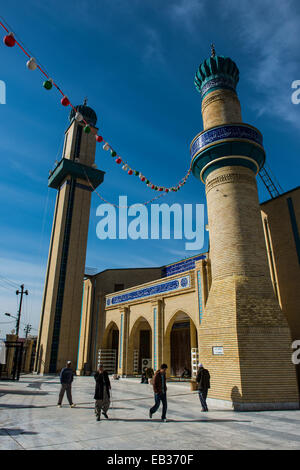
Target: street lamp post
(10,315)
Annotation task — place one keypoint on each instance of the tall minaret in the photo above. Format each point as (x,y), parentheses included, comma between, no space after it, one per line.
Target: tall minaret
(252,367)
(61,308)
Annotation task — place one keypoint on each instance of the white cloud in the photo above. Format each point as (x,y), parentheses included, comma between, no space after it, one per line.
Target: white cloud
(269,33)
(153,49)
(187,13)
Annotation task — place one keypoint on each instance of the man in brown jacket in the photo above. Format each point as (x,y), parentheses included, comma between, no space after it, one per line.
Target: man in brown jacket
(160,392)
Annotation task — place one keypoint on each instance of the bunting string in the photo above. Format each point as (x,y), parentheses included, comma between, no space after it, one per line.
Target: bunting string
(116,205)
(10,40)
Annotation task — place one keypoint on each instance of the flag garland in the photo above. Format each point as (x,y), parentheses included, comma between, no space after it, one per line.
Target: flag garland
(32,64)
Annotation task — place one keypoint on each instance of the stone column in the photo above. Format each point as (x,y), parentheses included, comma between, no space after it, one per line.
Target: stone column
(85,327)
(28,349)
(157,334)
(10,353)
(193,335)
(123,341)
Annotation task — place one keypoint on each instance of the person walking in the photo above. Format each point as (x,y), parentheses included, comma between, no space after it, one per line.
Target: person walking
(160,392)
(66,379)
(203,380)
(143,377)
(146,375)
(102,394)
(149,374)
(186,373)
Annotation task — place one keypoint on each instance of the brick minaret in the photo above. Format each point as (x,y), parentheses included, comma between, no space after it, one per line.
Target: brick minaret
(242,314)
(61,309)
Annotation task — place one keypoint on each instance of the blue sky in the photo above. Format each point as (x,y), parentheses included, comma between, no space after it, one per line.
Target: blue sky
(135,61)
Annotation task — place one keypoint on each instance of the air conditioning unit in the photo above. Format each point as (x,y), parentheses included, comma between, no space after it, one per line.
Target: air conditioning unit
(145,364)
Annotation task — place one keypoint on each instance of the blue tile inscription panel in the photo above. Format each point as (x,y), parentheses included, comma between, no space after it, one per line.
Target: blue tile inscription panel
(164,287)
(225,132)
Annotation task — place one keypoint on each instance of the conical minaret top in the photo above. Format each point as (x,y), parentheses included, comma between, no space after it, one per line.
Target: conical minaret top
(216,72)
(86,111)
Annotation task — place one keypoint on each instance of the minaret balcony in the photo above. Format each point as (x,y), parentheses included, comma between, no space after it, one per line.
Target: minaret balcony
(227,145)
(68,167)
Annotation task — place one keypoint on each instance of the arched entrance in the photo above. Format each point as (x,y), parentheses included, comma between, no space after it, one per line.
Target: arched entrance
(140,346)
(108,354)
(181,335)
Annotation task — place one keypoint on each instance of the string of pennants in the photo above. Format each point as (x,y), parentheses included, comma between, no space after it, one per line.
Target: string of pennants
(10,40)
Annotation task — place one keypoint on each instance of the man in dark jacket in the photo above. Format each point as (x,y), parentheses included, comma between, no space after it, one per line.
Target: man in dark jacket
(160,392)
(203,380)
(102,394)
(66,379)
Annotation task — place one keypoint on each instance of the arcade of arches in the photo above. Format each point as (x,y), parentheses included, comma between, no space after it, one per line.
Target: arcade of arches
(142,330)
(179,339)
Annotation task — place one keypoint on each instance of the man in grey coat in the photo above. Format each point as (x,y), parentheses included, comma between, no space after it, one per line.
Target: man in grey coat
(66,379)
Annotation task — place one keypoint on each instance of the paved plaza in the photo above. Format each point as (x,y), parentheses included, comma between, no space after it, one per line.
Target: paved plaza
(30,419)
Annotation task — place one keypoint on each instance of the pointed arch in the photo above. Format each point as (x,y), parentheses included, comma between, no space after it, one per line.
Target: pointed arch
(105,340)
(180,337)
(139,345)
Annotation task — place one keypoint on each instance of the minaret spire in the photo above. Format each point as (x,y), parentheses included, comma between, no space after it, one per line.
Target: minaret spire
(213,51)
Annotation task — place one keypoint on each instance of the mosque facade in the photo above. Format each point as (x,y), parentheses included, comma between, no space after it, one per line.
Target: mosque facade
(235,308)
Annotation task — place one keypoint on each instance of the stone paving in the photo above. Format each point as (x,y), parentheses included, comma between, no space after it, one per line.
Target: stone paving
(30,419)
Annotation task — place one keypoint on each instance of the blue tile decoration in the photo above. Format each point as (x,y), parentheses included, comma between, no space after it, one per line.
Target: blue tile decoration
(219,82)
(155,338)
(225,132)
(181,266)
(184,282)
(121,341)
(167,286)
(200,306)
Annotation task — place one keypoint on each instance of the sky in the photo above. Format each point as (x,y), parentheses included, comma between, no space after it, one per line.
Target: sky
(135,60)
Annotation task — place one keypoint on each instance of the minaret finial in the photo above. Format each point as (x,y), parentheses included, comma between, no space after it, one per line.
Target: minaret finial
(85,101)
(213,51)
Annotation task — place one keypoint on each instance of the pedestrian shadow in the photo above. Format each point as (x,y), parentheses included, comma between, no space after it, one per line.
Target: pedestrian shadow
(40,382)
(119,408)
(13,406)
(35,385)
(93,407)
(205,420)
(24,392)
(15,432)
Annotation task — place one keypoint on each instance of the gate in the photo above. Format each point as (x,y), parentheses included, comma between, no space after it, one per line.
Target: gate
(194,361)
(11,369)
(108,358)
